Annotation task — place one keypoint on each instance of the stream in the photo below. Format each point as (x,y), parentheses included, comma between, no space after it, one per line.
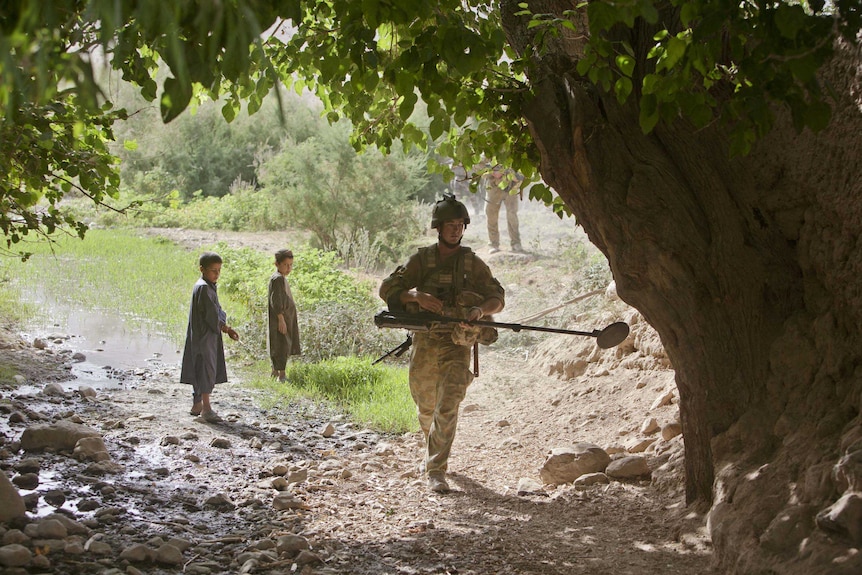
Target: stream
(108,343)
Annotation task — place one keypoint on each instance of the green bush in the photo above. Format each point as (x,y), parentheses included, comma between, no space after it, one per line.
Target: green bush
(335,310)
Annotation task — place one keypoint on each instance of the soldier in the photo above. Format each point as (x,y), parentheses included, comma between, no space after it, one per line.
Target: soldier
(444,278)
(498,184)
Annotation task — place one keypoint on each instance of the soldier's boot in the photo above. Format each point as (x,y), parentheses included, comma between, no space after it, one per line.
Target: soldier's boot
(437,482)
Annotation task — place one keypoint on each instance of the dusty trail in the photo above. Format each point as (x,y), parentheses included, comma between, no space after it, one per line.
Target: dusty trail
(356,496)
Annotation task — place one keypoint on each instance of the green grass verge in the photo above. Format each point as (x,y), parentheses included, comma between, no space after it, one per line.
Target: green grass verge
(148,280)
(375,395)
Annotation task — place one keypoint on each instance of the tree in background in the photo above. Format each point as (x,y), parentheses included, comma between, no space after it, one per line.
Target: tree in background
(322,185)
(709,149)
(199,151)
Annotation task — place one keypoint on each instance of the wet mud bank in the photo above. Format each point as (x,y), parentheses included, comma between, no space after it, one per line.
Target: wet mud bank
(166,492)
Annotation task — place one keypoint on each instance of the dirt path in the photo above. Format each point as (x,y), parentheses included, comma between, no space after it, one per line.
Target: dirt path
(363,508)
(231,493)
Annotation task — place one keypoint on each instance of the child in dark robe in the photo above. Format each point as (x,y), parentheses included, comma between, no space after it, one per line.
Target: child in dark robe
(283,332)
(203,355)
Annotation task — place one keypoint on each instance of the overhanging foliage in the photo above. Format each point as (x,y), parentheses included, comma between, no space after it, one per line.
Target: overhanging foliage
(371,61)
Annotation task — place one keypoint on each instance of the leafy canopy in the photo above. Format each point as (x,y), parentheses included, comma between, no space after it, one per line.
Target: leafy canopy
(372,60)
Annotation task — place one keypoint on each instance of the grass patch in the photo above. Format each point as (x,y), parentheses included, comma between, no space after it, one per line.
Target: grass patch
(149,280)
(375,395)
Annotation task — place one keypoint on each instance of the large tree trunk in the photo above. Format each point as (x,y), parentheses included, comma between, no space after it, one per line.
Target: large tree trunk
(748,269)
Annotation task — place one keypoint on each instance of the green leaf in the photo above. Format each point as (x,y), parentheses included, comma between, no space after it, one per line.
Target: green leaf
(130,145)
(405,108)
(675,51)
(175,98)
(602,15)
(228,112)
(649,116)
(789,19)
(626,64)
(623,88)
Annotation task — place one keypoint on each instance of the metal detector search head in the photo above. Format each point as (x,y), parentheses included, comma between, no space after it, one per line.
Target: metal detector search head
(613,335)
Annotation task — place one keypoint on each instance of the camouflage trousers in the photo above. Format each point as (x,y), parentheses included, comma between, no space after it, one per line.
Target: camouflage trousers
(439,377)
(495,199)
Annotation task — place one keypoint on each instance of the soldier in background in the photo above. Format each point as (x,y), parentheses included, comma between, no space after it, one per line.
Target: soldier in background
(498,185)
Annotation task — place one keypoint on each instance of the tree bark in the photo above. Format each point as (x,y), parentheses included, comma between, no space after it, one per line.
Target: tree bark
(746,267)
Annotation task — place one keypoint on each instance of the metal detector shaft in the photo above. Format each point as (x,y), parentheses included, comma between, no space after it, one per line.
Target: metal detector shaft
(610,336)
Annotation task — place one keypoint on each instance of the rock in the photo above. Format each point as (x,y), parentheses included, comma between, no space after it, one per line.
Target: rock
(88,505)
(844,517)
(280,469)
(87,392)
(220,442)
(51,529)
(29,465)
(529,486)
(39,343)
(62,435)
(54,389)
(306,557)
(662,400)
(168,555)
(91,449)
(72,526)
(628,467)
(100,548)
(671,430)
(291,544)
(592,479)
(15,536)
(11,504)
(15,555)
(847,473)
(26,481)
(788,529)
(219,501)
(286,500)
(565,464)
(279,483)
(74,548)
(328,430)
(136,553)
(54,497)
(639,445)
(297,476)
(649,426)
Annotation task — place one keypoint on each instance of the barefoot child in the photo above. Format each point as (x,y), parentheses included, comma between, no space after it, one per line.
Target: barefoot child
(203,356)
(283,333)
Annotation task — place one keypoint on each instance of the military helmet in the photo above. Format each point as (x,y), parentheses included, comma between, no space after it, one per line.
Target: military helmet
(448,209)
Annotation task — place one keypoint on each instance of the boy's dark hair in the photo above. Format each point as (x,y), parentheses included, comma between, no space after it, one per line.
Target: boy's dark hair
(282,255)
(209,258)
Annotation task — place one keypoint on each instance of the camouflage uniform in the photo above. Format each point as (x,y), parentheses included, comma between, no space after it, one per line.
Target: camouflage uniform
(497,194)
(439,367)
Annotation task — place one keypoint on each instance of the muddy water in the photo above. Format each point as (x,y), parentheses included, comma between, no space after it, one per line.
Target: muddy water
(110,343)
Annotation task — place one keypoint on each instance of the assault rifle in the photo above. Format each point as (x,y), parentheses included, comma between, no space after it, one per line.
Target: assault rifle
(610,336)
